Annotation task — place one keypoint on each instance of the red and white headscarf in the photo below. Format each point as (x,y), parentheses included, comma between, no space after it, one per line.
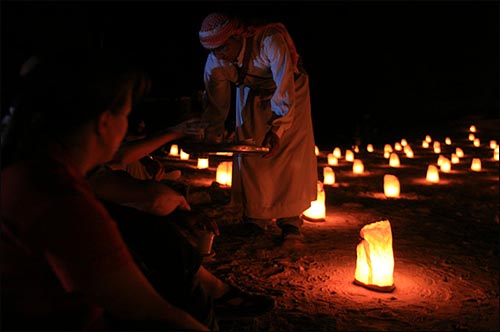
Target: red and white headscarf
(216,29)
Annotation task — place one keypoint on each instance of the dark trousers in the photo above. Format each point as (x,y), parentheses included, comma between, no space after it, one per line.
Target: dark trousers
(167,258)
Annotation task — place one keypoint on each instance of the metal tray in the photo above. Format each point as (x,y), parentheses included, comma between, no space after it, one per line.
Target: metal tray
(199,147)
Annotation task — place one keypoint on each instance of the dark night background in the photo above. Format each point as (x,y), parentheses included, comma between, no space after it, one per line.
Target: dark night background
(382,70)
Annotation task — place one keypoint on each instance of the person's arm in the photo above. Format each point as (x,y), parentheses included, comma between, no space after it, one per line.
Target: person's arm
(134,150)
(283,69)
(145,195)
(217,77)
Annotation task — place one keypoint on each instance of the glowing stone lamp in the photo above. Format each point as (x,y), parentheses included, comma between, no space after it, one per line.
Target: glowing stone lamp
(317,211)
(375,258)
(224,173)
(391,186)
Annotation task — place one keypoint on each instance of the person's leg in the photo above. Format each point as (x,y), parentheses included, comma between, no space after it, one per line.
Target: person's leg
(231,301)
(214,286)
(167,259)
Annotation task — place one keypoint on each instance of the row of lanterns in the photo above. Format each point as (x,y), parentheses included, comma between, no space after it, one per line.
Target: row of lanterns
(375,259)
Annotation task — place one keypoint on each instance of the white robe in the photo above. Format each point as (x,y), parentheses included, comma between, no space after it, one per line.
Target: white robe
(275,94)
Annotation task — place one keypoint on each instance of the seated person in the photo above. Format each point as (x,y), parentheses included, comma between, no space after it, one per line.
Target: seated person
(65,265)
(156,222)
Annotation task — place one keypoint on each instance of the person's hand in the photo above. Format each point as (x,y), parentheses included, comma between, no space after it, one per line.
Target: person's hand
(165,200)
(272,141)
(153,167)
(194,127)
(195,220)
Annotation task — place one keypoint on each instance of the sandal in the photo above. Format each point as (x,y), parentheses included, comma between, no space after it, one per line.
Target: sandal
(236,303)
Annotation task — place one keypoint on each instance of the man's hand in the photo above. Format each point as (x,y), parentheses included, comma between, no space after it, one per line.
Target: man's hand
(272,141)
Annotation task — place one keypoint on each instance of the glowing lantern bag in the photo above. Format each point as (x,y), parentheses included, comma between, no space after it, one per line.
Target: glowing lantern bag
(375,258)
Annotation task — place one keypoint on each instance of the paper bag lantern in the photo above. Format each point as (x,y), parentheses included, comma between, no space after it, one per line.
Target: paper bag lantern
(202,163)
(337,153)
(369,148)
(391,186)
(332,160)
(317,210)
(432,174)
(394,160)
(437,147)
(328,175)
(375,258)
(445,165)
(174,150)
(459,152)
(358,167)
(184,155)
(349,155)
(224,173)
(475,164)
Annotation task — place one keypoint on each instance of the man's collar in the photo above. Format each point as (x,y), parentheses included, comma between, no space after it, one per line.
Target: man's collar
(239,59)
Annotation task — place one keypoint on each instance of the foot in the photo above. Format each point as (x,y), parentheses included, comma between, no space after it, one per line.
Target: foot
(292,237)
(237,303)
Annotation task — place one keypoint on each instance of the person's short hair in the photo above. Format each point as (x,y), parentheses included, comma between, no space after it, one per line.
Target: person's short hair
(68,89)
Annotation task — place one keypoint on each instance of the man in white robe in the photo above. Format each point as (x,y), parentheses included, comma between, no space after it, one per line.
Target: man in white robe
(272,109)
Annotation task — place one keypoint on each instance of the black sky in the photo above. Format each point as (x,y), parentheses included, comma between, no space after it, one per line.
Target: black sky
(370,62)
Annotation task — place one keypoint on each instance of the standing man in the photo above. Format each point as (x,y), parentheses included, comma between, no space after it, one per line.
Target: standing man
(273,109)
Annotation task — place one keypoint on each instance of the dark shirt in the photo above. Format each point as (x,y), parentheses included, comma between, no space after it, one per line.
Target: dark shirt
(56,237)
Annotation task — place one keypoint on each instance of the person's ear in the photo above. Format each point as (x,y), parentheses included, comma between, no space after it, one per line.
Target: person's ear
(103,124)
